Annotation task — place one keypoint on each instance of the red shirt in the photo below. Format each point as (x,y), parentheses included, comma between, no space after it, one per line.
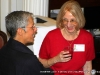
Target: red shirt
(54,42)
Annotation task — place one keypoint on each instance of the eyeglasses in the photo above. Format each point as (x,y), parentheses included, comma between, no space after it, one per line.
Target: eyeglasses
(30,27)
(72,21)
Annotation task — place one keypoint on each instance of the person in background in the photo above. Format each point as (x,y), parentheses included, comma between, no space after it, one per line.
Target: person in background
(15,57)
(77,58)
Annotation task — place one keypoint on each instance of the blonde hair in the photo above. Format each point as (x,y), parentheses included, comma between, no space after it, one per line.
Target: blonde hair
(75,9)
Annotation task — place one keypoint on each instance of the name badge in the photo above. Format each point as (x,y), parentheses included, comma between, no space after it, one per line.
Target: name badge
(79,47)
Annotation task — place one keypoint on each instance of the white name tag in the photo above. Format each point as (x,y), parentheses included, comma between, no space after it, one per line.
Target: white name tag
(79,47)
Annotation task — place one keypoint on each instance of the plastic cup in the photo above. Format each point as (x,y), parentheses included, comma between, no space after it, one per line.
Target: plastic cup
(69,49)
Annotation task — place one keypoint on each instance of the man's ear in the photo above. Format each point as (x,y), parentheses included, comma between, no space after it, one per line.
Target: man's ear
(20,31)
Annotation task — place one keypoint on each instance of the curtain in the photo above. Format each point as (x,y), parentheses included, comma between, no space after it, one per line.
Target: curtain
(37,7)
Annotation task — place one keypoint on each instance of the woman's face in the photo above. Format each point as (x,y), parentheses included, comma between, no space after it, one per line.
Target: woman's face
(69,22)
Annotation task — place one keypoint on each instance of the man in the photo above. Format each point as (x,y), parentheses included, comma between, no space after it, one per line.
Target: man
(15,57)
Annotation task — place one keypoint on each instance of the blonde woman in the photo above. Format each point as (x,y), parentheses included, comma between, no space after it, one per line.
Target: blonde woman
(69,33)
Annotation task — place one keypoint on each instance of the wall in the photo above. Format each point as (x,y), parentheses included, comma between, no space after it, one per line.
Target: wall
(38,7)
(3,11)
(6,6)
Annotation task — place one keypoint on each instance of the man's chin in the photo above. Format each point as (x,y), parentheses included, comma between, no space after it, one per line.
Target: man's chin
(30,43)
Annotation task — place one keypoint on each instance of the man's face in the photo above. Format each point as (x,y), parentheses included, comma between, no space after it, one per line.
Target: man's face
(30,31)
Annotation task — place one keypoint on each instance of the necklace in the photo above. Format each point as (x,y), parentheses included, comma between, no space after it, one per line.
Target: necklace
(69,42)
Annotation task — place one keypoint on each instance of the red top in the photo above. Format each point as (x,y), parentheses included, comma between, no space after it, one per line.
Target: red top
(54,42)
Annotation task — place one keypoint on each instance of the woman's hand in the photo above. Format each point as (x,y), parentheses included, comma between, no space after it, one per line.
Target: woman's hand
(63,56)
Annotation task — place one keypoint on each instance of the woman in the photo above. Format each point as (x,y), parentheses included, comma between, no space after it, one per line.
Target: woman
(69,33)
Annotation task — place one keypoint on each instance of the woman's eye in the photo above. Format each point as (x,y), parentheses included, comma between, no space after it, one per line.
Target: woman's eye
(72,20)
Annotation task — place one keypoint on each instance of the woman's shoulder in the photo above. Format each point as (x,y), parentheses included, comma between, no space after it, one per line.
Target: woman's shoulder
(55,31)
(85,32)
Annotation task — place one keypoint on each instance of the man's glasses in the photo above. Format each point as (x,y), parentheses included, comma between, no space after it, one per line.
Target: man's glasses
(72,21)
(30,27)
